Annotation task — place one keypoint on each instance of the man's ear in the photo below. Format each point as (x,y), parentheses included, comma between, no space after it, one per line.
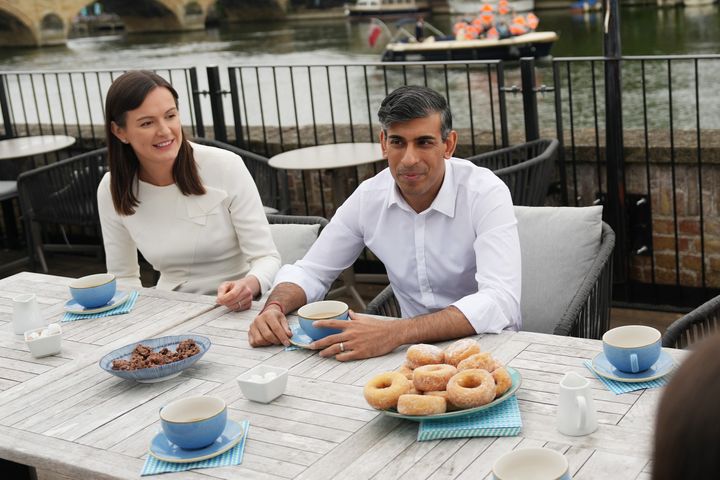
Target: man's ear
(450,144)
(382,143)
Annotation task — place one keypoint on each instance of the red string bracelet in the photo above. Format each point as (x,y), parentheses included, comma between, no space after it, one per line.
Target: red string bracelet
(282,310)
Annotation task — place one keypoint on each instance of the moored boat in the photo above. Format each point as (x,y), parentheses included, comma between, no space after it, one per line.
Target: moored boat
(472,7)
(533,44)
(377,8)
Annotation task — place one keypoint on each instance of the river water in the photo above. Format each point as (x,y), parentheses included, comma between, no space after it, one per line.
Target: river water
(645,31)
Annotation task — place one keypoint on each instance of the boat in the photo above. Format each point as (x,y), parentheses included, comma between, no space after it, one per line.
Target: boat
(472,7)
(532,44)
(375,8)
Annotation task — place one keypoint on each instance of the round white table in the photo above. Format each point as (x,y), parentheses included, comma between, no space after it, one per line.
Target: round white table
(22,147)
(331,158)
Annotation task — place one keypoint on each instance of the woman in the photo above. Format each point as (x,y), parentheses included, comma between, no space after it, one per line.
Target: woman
(687,433)
(193,211)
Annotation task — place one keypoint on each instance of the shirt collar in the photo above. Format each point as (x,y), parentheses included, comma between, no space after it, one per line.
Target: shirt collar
(443,203)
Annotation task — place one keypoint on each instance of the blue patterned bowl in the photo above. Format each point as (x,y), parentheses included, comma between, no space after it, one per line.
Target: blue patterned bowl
(162,372)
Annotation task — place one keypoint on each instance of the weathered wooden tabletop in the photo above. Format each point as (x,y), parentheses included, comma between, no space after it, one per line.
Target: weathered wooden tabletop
(64,414)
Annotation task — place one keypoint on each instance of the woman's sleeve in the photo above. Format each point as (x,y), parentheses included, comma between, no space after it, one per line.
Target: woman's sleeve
(120,249)
(251,226)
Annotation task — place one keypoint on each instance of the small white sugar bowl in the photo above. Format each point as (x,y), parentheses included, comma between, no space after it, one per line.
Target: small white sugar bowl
(44,341)
(263,383)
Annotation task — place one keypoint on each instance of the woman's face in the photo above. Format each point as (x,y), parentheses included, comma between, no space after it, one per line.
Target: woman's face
(153,130)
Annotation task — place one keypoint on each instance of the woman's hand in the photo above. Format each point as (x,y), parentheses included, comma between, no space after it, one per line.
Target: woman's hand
(238,294)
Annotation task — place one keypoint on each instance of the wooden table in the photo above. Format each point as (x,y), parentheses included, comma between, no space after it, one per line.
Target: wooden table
(64,414)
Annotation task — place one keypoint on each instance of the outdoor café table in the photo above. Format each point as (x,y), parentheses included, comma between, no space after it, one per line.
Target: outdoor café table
(65,415)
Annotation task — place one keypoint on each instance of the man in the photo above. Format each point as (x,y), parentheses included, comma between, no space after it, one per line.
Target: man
(444,228)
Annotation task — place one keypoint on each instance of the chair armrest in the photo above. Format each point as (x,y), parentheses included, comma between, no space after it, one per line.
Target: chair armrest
(385,304)
(694,326)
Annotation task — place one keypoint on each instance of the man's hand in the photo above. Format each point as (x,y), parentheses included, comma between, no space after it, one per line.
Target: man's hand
(361,337)
(238,294)
(269,328)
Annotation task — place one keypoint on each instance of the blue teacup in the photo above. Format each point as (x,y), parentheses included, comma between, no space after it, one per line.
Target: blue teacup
(93,291)
(632,348)
(527,463)
(194,422)
(325,310)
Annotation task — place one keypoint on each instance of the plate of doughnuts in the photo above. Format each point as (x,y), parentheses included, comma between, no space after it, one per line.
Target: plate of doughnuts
(434,383)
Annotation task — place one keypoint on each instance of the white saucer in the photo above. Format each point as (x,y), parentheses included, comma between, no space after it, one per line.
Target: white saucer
(163,449)
(118,299)
(604,368)
(300,338)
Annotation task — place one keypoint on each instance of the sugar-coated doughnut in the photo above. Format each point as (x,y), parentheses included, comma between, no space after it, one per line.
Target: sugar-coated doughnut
(471,388)
(460,350)
(407,371)
(424,354)
(428,378)
(420,405)
(503,381)
(383,390)
(443,393)
(483,361)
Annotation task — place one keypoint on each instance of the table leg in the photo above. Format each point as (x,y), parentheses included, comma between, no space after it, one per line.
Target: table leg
(11,231)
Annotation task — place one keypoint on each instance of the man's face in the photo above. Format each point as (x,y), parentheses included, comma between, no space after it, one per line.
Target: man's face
(416,155)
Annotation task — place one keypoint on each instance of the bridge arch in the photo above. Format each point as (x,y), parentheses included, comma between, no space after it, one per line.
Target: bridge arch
(16,27)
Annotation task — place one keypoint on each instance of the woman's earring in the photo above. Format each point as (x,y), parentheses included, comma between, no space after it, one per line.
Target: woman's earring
(124,141)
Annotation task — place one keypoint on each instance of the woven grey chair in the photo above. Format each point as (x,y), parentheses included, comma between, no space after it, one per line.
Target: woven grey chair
(293,246)
(526,169)
(62,194)
(271,183)
(693,327)
(588,313)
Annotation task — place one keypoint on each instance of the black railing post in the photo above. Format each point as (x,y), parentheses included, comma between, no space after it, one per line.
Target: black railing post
(5,108)
(614,211)
(557,86)
(237,117)
(197,106)
(216,103)
(529,95)
(502,104)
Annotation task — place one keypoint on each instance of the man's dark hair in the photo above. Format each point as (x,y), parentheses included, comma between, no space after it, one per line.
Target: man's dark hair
(411,102)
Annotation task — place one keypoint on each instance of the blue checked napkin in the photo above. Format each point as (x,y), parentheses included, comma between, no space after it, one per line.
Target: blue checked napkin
(624,387)
(234,456)
(502,420)
(124,307)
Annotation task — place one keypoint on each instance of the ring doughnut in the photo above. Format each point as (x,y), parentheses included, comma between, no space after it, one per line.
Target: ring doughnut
(444,394)
(383,390)
(424,354)
(471,388)
(483,361)
(407,371)
(460,350)
(420,405)
(503,381)
(430,378)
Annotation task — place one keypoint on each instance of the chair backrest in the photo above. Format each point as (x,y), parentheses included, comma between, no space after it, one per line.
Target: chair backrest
(271,183)
(65,192)
(693,327)
(526,169)
(294,234)
(559,246)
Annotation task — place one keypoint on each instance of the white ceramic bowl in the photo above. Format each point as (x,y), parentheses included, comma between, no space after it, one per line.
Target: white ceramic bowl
(263,383)
(44,345)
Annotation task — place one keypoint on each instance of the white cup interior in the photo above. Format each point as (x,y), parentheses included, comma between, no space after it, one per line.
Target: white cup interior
(631,336)
(531,464)
(24,298)
(323,309)
(192,409)
(90,281)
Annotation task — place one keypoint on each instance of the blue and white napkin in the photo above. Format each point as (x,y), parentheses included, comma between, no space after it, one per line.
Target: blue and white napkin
(124,307)
(234,456)
(502,420)
(624,387)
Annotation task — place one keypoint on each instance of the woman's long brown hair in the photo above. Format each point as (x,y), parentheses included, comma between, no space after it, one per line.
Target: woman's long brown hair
(127,93)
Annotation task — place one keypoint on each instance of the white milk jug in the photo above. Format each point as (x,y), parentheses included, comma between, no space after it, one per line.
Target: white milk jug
(26,313)
(576,410)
